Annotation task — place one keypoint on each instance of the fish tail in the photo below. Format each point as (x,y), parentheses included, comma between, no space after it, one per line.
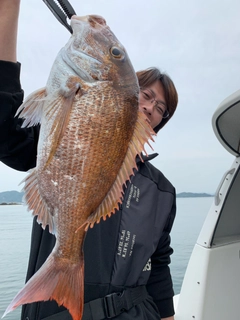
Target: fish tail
(58,280)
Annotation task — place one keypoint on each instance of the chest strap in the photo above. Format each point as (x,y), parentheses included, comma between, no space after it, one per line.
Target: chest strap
(114,304)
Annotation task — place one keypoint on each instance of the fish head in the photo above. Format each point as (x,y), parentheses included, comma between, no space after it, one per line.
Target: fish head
(95,54)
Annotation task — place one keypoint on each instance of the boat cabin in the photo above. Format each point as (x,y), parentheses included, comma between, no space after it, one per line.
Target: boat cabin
(211,285)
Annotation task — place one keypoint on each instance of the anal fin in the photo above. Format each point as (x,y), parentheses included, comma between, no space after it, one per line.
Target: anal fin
(35,202)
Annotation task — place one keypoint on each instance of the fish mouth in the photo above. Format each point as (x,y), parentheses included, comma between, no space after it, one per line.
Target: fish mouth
(85,52)
(91,19)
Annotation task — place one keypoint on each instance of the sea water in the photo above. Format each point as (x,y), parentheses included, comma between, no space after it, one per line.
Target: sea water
(15,234)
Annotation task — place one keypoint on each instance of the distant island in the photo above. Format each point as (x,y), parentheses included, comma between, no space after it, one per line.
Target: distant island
(10,203)
(15,197)
(11,198)
(193,195)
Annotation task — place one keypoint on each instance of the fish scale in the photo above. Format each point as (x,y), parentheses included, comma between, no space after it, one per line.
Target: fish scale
(91,132)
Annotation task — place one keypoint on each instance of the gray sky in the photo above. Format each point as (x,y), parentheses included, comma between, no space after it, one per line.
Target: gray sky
(196,42)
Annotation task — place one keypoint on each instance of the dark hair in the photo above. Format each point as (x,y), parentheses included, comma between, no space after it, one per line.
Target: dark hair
(148,77)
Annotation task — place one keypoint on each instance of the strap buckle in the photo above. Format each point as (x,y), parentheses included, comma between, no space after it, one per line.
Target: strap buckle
(116,303)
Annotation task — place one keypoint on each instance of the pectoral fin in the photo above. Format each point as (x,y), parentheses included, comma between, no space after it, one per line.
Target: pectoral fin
(62,106)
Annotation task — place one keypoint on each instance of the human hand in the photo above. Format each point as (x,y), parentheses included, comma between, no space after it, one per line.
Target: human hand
(9,11)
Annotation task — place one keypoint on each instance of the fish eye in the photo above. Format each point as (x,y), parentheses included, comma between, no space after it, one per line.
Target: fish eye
(116,52)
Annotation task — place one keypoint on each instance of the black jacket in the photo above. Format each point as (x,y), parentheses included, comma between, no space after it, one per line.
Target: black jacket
(130,249)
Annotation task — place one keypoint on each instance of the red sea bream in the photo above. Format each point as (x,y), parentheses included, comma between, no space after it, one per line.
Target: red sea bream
(91,132)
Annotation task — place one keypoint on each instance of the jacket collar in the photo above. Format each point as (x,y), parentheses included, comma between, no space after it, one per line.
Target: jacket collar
(146,158)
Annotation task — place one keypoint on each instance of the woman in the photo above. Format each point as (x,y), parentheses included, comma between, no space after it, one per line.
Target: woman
(127,256)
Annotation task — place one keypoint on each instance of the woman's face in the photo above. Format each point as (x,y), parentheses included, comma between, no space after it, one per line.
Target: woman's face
(152,102)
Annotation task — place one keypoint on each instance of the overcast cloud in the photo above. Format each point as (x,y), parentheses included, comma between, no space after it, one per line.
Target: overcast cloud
(196,42)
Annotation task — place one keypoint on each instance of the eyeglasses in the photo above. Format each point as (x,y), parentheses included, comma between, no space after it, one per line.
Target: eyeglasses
(149,97)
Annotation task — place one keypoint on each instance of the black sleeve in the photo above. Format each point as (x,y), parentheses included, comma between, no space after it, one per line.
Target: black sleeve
(18,146)
(160,285)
